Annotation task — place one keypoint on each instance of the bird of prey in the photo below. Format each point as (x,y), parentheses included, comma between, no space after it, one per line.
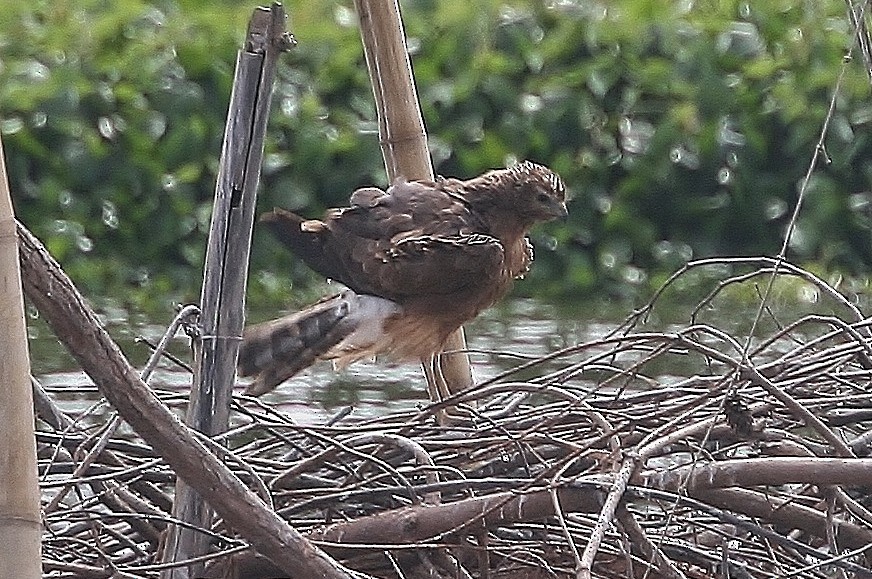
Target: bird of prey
(419,260)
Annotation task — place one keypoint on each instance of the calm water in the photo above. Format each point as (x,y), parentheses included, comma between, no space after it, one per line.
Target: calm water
(499,339)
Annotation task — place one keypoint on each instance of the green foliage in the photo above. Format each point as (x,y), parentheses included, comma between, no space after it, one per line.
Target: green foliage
(682,129)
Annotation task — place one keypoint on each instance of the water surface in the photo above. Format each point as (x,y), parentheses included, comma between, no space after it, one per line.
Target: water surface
(501,338)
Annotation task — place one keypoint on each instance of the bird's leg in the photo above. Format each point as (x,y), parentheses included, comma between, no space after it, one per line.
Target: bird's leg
(436,387)
(436,384)
(439,390)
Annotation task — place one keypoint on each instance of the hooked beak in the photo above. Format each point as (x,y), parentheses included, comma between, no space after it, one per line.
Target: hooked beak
(559,211)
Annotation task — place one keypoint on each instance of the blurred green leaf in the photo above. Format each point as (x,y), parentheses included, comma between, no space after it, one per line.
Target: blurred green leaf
(681,129)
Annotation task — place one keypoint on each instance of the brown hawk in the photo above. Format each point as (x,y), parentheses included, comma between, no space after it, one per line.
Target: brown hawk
(419,260)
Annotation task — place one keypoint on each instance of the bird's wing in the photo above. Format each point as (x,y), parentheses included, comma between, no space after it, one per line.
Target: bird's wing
(413,239)
(436,265)
(307,239)
(369,223)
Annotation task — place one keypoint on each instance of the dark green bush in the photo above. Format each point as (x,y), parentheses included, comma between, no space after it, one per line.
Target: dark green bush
(682,129)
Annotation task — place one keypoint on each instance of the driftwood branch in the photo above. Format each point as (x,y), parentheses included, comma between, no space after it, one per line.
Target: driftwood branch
(765,471)
(432,523)
(785,514)
(77,327)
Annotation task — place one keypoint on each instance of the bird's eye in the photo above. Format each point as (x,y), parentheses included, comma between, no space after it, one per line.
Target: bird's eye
(542,198)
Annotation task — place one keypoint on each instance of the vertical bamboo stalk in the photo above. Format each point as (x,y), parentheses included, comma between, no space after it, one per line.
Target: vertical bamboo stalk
(222,299)
(403,141)
(20,527)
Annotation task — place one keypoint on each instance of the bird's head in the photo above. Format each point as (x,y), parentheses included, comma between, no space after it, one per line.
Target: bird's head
(538,191)
(519,196)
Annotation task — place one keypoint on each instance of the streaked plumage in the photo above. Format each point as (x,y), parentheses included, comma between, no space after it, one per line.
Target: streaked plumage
(420,260)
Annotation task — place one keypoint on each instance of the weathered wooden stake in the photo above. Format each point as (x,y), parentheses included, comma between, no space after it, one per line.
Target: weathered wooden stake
(20,527)
(222,300)
(403,141)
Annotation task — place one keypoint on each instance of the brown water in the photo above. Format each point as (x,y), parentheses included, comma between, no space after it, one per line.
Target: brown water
(500,339)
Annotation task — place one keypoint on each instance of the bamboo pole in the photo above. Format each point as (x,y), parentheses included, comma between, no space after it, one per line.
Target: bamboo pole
(403,141)
(222,300)
(20,527)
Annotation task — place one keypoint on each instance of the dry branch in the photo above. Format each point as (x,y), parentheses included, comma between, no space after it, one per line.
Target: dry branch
(773,471)
(432,522)
(784,514)
(364,490)
(76,325)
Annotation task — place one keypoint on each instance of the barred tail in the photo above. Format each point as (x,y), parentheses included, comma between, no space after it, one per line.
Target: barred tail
(277,350)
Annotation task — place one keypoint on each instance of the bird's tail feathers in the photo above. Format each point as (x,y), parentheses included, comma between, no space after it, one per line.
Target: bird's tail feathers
(345,327)
(277,350)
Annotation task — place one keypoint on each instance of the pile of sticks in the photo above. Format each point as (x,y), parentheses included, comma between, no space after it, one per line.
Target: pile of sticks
(693,451)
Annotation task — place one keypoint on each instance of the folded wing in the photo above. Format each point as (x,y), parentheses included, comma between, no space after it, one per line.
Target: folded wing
(410,241)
